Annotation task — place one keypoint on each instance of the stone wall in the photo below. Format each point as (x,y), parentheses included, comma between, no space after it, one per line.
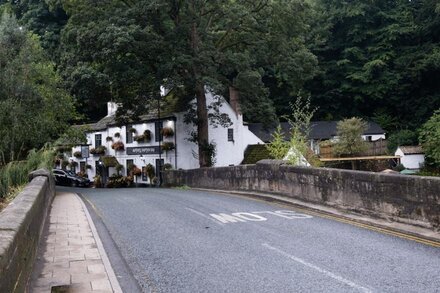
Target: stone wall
(409,199)
(21,224)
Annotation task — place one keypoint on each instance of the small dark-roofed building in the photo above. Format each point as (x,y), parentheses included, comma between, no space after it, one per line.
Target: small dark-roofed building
(255,153)
(319,131)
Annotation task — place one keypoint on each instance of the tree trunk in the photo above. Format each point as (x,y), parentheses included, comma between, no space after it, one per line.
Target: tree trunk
(202,126)
(202,112)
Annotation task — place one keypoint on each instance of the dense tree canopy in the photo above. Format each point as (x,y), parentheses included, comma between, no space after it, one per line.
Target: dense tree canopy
(33,108)
(374,59)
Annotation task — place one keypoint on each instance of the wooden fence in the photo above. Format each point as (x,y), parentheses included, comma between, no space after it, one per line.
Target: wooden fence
(375,148)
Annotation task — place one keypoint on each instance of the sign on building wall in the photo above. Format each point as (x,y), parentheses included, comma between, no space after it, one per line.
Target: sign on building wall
(85,151)
(153,150)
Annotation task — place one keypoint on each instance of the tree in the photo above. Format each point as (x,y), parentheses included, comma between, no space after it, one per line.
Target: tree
(33,108)
(278,147)
(350,142)
(192,46)
(430,139)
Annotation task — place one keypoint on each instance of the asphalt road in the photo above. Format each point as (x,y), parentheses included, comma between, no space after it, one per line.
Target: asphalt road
(193,241)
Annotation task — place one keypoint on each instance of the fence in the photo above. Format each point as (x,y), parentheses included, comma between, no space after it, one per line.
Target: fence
(375,148)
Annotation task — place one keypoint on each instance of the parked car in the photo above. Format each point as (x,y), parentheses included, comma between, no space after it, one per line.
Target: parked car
(69,178)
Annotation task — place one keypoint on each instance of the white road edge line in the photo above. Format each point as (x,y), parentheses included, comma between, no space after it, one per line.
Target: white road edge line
(108,267)
(204,216)
(316,268)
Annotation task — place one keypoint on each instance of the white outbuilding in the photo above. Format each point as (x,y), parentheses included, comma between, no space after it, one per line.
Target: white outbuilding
(411,157)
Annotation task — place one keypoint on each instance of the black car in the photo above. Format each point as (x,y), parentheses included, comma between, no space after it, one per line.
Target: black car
(69,178)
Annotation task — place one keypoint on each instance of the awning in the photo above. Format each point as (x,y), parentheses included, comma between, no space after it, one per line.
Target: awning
(109,161)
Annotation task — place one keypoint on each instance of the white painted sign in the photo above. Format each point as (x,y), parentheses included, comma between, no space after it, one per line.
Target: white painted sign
(257,216)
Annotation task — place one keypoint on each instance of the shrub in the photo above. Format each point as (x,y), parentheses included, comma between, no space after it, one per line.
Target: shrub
(15,174)
(430,138)
(167,132)
(118,181)
(97,181)
(150,172)
(350,140)
(168,146)
(278,147)
(77,155)
(118,146)
(119,168)
(167,166)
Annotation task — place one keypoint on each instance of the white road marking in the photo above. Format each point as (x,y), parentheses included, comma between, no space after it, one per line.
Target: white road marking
(316,268)
(254,217)
(205,216)
(225,218)
(250,217)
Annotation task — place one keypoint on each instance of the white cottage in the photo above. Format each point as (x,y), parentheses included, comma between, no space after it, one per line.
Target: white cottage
(411,157)
(138,143)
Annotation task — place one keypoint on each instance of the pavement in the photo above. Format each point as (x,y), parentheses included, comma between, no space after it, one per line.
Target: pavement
(71,257)
(199,241)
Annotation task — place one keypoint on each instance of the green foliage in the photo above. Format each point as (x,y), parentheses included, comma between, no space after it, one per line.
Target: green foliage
(300,122)
(15,174)
(33,108)
(278,147)
(350,142)
(119,181)
(430,139)
(401,138)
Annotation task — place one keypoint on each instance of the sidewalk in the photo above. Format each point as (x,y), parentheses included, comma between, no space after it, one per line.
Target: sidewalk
(70,254)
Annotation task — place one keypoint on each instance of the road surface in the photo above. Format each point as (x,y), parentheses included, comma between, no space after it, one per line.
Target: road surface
(193,241)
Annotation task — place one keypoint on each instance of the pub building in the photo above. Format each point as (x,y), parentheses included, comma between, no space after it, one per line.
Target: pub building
(160,141)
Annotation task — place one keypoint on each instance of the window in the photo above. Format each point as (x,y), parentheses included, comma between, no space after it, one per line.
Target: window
(98,140)
(128,134)
(129,163)
(82,166)
(369,138)
(158,131)
(230,134)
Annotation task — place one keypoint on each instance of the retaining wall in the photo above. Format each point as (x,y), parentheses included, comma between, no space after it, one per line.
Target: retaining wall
(21,224)
(408,199)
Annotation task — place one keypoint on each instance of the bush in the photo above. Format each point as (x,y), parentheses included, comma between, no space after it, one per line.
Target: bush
(118,181)
(430,139)
(150,172)
(15,174)
(350,142)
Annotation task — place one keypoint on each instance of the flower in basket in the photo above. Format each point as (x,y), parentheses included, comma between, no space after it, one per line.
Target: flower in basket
(167,132)
(168,146)
(99,150)
(118,146)
(109,138)
(117,134)
(132,130)
(77,155)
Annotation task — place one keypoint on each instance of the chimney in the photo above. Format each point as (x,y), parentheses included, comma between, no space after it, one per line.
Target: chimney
(234,100)
(112,107)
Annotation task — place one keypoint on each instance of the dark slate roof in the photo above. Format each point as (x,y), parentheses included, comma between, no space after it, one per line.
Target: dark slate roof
(320,130)
(255,153)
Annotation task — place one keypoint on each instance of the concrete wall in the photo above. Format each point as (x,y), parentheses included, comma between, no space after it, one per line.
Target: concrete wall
(21,224)
(408,199)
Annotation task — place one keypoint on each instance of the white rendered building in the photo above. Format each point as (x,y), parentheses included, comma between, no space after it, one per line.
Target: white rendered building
(411,157)
(230,142)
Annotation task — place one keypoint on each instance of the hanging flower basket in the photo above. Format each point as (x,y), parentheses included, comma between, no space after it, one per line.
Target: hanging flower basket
(168,146)
(77,155)
(99,150)
(109,138)
(117,134)
(132,130)
(118,146)
(167,132)
(146,137)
